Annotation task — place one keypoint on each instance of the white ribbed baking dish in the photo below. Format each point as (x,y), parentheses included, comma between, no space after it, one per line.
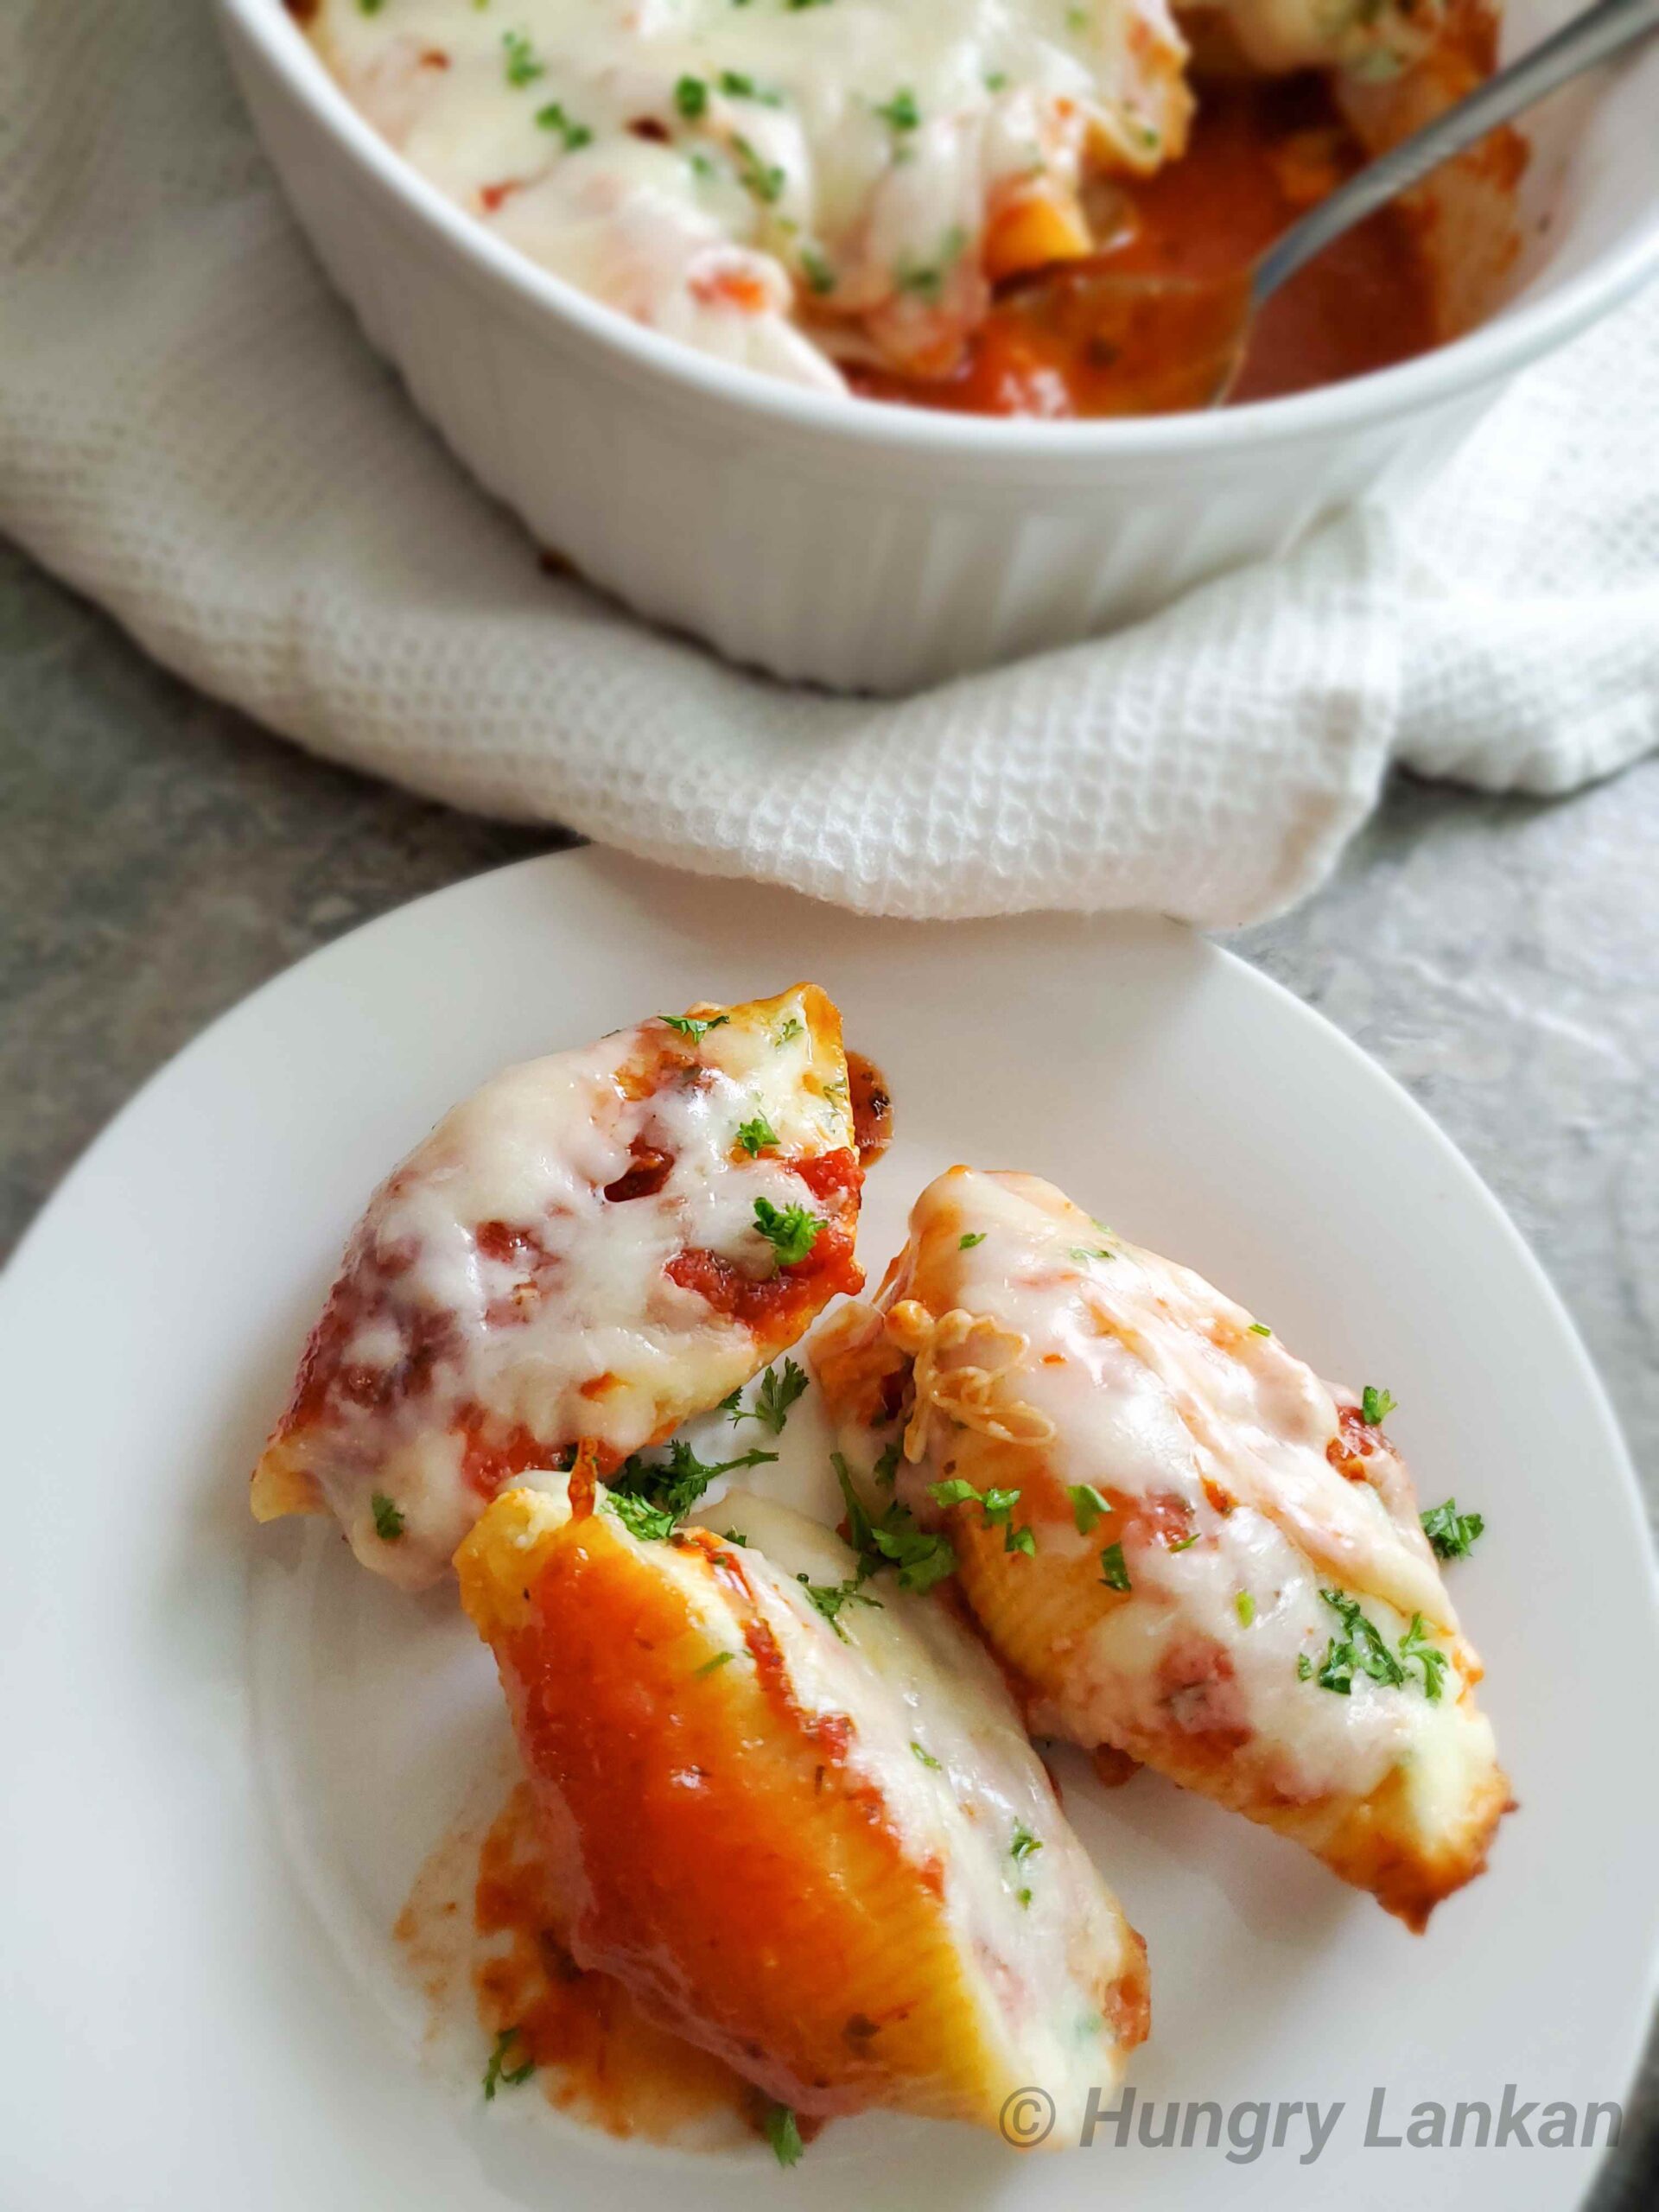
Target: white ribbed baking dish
(867,547)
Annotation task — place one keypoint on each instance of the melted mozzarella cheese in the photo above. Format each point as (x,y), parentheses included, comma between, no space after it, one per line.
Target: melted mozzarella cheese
(1042,1933)
(707,169)
(1146,1384)
(496,1295)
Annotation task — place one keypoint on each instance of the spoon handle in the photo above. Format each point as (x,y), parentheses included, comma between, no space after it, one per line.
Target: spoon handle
(1578,45)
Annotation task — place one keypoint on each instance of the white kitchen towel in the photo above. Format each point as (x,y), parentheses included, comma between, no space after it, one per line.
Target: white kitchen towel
(193,432)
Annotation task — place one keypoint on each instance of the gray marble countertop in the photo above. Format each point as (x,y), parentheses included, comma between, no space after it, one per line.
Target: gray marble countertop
(160,856)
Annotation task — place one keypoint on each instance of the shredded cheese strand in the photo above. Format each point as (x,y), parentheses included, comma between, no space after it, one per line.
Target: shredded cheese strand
(967,1393)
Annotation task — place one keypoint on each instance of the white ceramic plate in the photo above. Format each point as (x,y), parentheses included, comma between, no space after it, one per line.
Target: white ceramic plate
(227,1750)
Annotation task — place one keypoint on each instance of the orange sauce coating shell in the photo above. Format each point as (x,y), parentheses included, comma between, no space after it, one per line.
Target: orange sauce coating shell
(597,2054)
(724,1846)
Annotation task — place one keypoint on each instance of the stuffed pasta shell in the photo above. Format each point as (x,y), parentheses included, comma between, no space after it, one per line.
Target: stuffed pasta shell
(593,1249)
(1187,1546)
(1373,39)
(795,1810)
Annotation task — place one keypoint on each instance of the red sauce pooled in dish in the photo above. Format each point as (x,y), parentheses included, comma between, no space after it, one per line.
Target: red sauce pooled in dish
(1260,155)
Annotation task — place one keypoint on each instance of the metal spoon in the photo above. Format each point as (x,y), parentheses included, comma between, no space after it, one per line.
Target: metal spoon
(1179,343)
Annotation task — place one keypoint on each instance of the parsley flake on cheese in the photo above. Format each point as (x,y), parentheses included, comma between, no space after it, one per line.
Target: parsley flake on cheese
(792,1232)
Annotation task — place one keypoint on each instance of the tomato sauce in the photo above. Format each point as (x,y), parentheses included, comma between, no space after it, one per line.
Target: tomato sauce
(1355,1443)
(494,1452)
(599,2057)
(726,1844)
(486,1931)
(787,1299)
(1260,156)
(872,1104)
(828,1173)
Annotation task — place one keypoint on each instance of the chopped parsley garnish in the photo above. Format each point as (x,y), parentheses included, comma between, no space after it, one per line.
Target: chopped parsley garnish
(787,1030)
(778,2125)
(1260,1328)
(732,1403)
(1185,1543)
(1364,1649)
(689,1025)
(998,1508)
(925,1756)
(830,1598)
(1084,1253)
(649,1500)
(388,1517)
(1244,1606)
(732,1537)
(996,80)
(1376,1406)
(1024,1899)
(738,87)
(1024,1845)
(1113,1571)
(954,1492)
(1087,1506)
(900,112)
(1416,1645)
(1453,1534)
(649,1524)
(887,1468)
(922,1560)
(815,267)
(574,134)
(925,279)
(523,67)
(1366,1645)
(691,97)
(861,1530)
(498,2072)
(752,1135)
(893,1540)
(974,1236)
(763,179)
(792,1232)
(719,1659)
(774,1398)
